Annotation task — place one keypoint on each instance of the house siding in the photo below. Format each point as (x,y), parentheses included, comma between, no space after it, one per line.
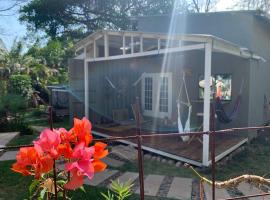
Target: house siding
(103,99)
(246,29)
(242,28)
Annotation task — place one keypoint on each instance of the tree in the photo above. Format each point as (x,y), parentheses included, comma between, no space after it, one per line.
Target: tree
(201,5)
(263,5)
(77,17)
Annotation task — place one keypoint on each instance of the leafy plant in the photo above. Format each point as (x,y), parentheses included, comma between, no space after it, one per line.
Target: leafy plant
(11,104)
(120,191)
(21,85)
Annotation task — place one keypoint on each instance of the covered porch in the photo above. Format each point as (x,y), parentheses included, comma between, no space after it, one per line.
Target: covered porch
(111,51)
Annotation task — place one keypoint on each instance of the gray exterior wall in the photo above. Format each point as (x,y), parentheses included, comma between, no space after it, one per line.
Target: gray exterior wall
(123,73)
(235,27)
(242,28)
(76,88)
(245,28)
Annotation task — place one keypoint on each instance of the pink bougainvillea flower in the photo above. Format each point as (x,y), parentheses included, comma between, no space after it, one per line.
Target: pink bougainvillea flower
(48,142)
(65,150)
(80,152)
(81,167)
(81,131)
(29,162)
(100,151)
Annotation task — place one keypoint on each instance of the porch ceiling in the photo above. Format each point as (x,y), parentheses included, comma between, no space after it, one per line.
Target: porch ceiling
(155,42)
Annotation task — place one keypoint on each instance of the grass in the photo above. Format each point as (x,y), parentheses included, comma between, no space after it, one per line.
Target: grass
(14,186)
(22,140)
(154,167)
(254,160)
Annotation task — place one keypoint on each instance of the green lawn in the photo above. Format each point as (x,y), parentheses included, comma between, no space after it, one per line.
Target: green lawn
(14,186)
(254,160)
(154,167)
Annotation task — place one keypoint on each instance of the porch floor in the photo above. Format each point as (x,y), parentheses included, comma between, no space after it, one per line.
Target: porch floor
(174,145)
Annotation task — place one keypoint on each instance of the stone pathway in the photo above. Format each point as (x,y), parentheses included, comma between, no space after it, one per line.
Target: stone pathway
(155,185)
(38,129)
(113,162)
(9,155)
(220,193)
(6,137)
(180,188)
(125,152)
(248,189)
(151,185)
(100,177)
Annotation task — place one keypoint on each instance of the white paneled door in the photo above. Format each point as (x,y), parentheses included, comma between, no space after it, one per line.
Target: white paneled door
(157,95)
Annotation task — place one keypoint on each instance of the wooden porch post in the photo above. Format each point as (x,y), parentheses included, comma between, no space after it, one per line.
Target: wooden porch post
(206,103)
(106,45)
(124,45)
(95,48)
(86,86)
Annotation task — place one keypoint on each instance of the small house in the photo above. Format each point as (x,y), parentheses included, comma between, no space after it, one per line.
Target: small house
(166,75)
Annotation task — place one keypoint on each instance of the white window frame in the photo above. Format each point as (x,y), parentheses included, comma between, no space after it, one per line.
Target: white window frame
(155,112)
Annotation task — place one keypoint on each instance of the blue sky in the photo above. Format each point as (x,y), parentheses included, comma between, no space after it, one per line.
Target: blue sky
(10,27)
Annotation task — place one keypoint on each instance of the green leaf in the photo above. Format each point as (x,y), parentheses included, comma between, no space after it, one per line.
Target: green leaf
(33,186)
(108,196)
(42,193)
(82,189)
(61,182)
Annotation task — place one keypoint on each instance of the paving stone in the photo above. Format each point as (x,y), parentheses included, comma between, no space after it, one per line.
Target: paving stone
(178,164)
(9,155)
(128,177)
(248,189)
(1,146)
(151,185)
(6,137)
(39,128)
(112,162)
(180,188)
(100,177)
(126,152)
(219,193)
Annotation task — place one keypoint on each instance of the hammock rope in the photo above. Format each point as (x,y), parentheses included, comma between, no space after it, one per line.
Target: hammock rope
(222,116)
(185,129)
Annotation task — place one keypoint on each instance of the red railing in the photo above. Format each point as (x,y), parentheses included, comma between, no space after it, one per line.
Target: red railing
(139,140)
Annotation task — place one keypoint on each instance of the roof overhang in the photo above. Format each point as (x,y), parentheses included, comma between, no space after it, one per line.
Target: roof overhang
(195,42)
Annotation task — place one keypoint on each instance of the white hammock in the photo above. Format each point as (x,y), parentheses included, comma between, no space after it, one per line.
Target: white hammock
(187,128)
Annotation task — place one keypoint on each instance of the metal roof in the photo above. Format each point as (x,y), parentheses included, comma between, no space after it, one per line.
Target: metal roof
(218,44)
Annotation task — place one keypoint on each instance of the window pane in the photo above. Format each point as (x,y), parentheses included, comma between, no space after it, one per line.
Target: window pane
(163,98)
(148,93)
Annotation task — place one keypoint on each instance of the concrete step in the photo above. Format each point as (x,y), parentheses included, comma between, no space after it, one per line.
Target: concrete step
(219,193)
(127,177)
(9,155)
(113,162)
(5,138)
(125,152)
(248,189)
(180,188)
(100,177)
(151,185)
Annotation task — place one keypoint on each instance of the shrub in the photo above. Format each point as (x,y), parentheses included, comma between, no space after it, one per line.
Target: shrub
(16,125)
(21,85)
(12,104)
